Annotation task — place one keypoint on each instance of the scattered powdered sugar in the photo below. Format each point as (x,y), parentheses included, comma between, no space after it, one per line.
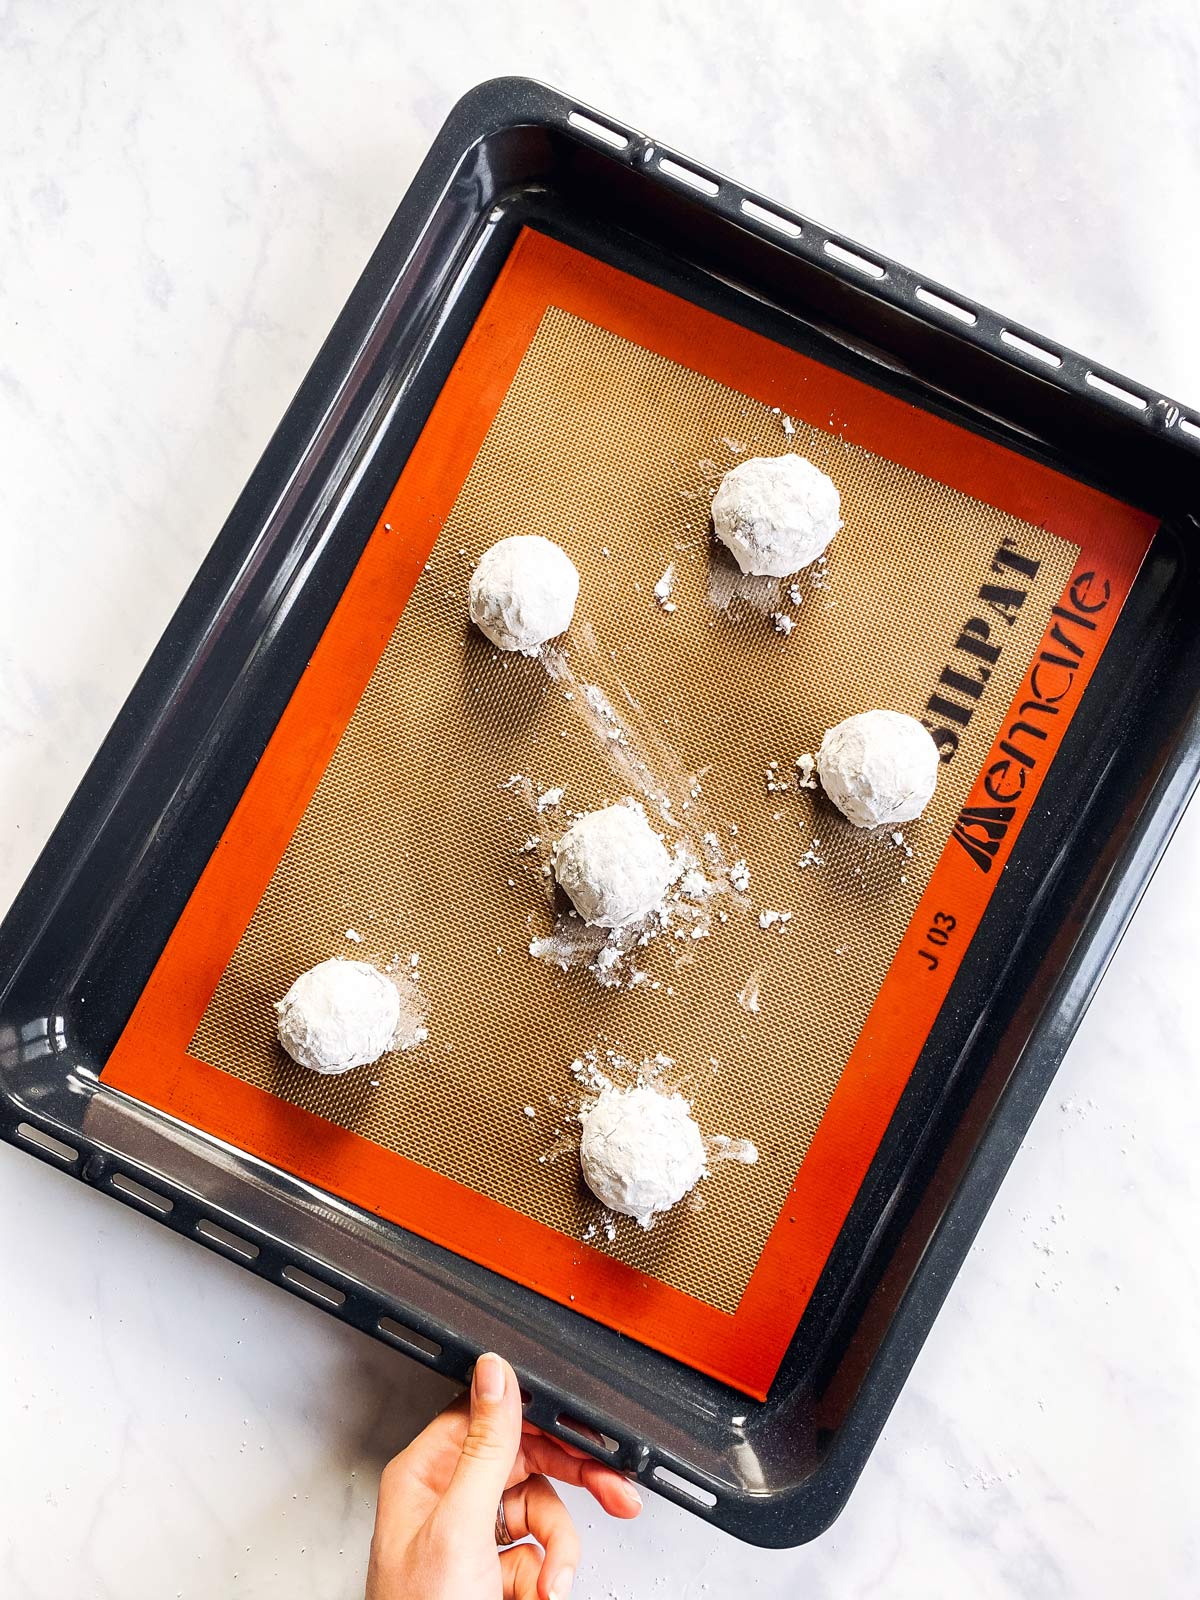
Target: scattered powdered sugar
(811,857)
(693,885)
(663,588)
(748,995)
(782,623)
(774,919)
(549,799)
(739,876)
(632,745)
(573,943)
(353,936)
(721,1147)
(601,705)
(806,771)
(410,1030)
(590,1075)
(727,583)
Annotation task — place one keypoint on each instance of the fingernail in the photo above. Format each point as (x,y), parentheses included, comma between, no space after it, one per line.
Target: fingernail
(632,1495)
(562,1584)
(489,1378)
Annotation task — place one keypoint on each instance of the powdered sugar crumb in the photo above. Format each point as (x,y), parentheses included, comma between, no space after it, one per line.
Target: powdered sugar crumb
(776,783)
(806,771)
(774,919)
(748,996)
(599,702)
(721,1147)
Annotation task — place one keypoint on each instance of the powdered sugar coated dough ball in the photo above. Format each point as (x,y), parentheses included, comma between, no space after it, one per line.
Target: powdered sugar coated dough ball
(523,592)
(338,1015)
(613,866)
(641,1151)
(776,514)
(878,768)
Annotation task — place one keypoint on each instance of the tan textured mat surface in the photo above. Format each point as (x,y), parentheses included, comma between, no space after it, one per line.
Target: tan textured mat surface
(414,834)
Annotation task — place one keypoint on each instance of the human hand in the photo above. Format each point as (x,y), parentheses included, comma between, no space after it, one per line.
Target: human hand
(436,1525)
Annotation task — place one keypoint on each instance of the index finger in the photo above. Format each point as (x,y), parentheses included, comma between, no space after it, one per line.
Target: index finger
(613,1492)
(528,1427)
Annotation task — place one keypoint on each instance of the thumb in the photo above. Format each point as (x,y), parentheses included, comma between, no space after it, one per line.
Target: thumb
(490,1447)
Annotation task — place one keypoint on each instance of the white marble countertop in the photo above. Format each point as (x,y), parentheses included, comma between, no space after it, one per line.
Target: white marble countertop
(188,194)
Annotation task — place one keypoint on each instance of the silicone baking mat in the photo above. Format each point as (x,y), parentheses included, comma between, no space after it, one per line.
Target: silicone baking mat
(395,810)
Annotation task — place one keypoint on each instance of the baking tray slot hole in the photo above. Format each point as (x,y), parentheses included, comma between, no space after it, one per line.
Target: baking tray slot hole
(325,1292)
(694,180)
(851,258)
(597,130)
(585,1433)
(150,1198)
(940,303)
(1115,390)
(233,1242)
(771,218)
(409,1339)
(1029,348)
(1189,426)
(46,1142)
(684,1486)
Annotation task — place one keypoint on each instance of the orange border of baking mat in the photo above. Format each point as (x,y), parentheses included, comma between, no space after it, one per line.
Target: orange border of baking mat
(151,1060)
